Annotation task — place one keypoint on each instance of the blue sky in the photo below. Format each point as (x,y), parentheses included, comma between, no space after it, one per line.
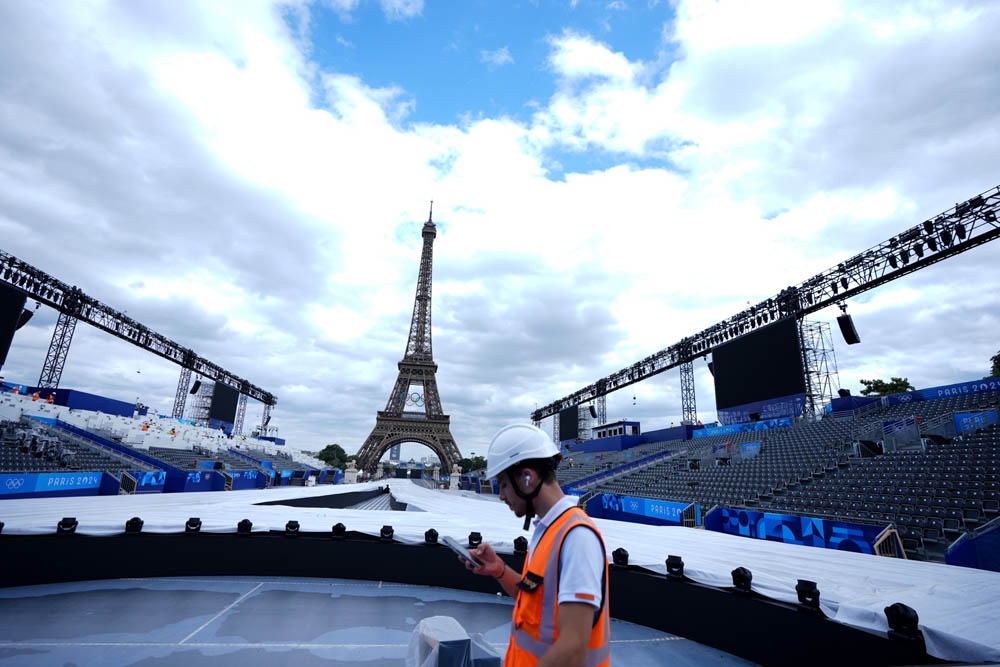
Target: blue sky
(631,174)
(475,59)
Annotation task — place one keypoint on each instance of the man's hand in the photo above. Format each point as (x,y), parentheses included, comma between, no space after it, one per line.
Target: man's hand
(490,563)
(575,620)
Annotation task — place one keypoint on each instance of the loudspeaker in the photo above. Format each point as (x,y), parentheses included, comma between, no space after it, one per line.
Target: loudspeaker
(843,393)
(23,319)
(196,386)
(847,329)
(593,412)
(711,368)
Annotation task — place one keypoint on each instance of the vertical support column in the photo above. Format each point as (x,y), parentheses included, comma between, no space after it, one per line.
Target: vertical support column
(265,419)
(55,358)
(689,410)
(180,398)
(602,409)
(241,412)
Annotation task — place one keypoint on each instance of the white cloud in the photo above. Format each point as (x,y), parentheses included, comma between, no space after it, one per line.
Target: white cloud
(497,58)
(180,165)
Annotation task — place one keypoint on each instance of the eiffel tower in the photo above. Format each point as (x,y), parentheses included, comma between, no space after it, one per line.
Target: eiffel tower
(413,411)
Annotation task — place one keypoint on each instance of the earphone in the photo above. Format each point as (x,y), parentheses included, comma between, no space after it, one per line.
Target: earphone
(527,480)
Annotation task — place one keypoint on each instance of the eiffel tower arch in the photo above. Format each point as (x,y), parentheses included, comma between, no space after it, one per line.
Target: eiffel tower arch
(413,412)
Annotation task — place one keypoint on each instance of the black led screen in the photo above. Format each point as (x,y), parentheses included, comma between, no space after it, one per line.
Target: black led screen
(224,399)
(569,428)
(11,305)
(761,365)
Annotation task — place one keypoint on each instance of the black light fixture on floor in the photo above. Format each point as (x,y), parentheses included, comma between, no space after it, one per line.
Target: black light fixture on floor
(475,539)
(133,526)
(193,525)
(521,545)
(742,578)
(904,623)
(620,557)
(244,527)
(431,536)
(67,526)
(338,531)
(386,533)
(675,567)
(292,529)
(808,595)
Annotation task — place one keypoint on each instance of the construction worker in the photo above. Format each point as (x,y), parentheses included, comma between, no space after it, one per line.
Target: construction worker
(34,396)
(51,398)
(561,609)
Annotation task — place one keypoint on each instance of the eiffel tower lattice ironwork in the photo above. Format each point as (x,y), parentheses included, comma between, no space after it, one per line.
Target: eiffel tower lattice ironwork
(413,412)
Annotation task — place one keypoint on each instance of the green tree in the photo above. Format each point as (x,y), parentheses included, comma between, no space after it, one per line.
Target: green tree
(883,388)
(996,365)
(469,465)
(335,456)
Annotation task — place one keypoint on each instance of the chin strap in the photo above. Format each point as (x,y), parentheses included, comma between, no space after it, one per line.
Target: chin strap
(529,497)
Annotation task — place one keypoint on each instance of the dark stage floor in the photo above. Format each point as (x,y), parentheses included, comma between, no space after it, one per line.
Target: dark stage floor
(245,621)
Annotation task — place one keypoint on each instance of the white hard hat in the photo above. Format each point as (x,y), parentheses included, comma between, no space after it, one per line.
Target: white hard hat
(515,443)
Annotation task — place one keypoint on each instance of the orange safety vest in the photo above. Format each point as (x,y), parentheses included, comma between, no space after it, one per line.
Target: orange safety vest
(536,611)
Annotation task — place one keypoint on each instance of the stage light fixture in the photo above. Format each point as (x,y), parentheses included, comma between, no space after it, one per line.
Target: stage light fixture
(193,525)
(932,243)
(244,527)
(475,539)
(67,526)
(338,531)
(843,282)
(904,256)
(808,594)
(834,286)
(945,237)
(918,248)
(620,557)
(134,526)
(741,579)
(990,216)
(386,533)
(292,529)
(675,567)
(892,262)
(960,231)
(521,545)
(904,623)
(431,536)
(928,227)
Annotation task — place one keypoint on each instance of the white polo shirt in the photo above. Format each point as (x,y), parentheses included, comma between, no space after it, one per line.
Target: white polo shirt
(581,560)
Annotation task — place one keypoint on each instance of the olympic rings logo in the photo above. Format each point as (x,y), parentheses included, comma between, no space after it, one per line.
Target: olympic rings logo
(15,483)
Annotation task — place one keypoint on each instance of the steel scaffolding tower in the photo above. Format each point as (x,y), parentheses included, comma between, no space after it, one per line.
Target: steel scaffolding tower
(689,410)
(819,365)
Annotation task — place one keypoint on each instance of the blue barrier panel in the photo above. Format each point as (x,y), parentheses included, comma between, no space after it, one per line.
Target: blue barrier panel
(199,480)
(960,389)
(966,422)
(245,479)
(637,510)
(206,465)
(981,551)
(149,482)
(338,476)
(763,425)
(50,484)
(787,407)
(807,531)
(751,449)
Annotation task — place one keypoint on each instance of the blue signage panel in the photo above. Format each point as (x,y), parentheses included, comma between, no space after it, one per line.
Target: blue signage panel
(773,408)
(807,531)
(966,422)
(48,482)
(150,482)
(763,425)
(628,508)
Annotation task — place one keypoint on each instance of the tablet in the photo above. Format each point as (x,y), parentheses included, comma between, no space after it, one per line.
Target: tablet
(460,549)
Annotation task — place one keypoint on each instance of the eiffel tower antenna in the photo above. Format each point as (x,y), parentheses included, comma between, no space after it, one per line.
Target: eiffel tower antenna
(413,412)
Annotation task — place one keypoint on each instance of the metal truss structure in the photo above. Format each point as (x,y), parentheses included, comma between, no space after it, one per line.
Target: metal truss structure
(241,413)
(689,409)
(72,305)
(966,225)
(413,412)
(819,363)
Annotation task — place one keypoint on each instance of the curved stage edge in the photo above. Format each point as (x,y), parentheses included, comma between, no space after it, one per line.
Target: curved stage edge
(746,625)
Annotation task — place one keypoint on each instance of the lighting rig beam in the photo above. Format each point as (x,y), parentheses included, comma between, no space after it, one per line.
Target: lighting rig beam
(71,302)
(965,226)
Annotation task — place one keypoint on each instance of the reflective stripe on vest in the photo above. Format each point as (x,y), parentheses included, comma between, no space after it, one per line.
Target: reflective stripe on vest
(525,646)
